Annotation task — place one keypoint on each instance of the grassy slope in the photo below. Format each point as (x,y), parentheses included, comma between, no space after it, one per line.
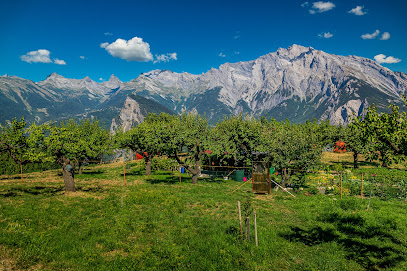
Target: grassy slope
(165,226)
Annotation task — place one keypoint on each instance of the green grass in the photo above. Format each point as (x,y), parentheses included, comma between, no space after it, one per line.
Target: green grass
(167,226)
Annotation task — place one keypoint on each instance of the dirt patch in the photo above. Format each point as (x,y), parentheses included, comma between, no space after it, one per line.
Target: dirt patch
(115,253)
(7,263)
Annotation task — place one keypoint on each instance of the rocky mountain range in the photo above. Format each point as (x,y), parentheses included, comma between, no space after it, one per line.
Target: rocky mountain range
(297,83)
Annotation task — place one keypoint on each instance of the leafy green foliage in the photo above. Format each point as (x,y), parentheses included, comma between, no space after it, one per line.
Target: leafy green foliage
(68,144)
(235,138)
(386,134)
(292,145)
(149,138)
(13,140)
(190,134)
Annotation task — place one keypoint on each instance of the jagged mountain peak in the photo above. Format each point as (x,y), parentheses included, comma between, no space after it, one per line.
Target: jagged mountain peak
(113,78)
(158,73)
(293,51)
(54,75)
(87,79)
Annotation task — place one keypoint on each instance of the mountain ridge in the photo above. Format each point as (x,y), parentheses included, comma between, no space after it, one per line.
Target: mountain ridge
(297,83)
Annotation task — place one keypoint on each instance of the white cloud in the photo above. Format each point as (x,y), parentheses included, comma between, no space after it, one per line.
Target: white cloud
(370,36)
(326,35)
(222,55)
(133,50)
(82,57)
(39,56)
(101,79)
(165,57)
(305,4)
(237,53)
(385,36)
(59,61)
(108,34)
(357,11)
(236,37)
(388,60)
(321,7)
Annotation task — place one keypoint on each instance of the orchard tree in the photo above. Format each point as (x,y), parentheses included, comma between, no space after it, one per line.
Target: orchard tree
(235,138)
(147,139)
(189,133)
(98,142)
(386,133)
(291,145)
(327,133)
(355,140)
(65,144)
(14,141)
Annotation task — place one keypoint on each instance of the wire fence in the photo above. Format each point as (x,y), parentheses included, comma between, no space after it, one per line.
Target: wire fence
(350,183)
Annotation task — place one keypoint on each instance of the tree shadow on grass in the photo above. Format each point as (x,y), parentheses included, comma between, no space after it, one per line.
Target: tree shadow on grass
(167,179)
(354,226)
(170,178)
(348,164)
(34,190)
(372,250)
(211,180)
(310,237)
(92,189)
(14,177)
(133,172)
(93,172)
(44,190)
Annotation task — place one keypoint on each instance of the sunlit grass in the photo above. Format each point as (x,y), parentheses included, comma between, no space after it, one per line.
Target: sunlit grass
(167,225)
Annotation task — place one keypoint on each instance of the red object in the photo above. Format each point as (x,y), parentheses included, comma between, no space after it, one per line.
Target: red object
(340,147)
(208,151)
(139,156)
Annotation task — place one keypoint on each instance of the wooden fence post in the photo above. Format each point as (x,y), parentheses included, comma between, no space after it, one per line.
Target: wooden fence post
(248,228)
(240,218)
(255,229)
(124,171)
(179,172)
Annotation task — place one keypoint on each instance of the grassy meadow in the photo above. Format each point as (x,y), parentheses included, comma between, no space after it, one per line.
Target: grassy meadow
(158,223)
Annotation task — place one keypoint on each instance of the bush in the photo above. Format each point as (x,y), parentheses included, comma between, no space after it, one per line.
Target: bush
(164,163)
(8,166)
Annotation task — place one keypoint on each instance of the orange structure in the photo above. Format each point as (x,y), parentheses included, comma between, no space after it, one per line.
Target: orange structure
(139,156)
(340,147)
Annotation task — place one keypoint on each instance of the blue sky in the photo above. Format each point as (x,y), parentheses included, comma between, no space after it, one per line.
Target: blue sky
(126,38)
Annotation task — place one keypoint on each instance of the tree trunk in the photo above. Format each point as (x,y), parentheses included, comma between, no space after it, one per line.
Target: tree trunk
(195,172)
(383,159)
(285,177)
(80,165)
(355,159)
(148,160)
(69,174)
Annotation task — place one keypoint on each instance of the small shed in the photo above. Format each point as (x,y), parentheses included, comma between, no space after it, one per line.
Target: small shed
(261,178)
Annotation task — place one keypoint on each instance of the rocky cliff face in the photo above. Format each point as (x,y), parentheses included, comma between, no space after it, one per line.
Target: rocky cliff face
(129,115)
(297,83)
